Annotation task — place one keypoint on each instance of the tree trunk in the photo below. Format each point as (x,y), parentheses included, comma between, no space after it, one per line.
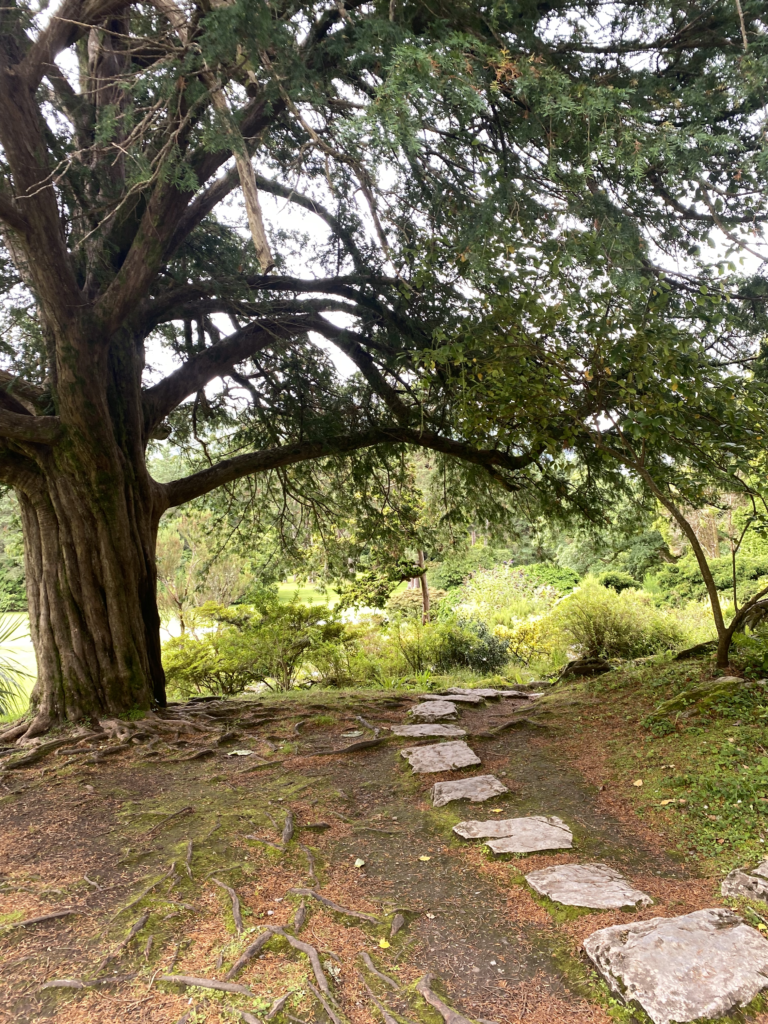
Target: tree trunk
(424,591)
(90,561)
(90,512)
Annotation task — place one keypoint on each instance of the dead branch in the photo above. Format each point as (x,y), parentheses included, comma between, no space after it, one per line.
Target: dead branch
(188,858)
(37,754)
(299,918)
(235,905)
(334,906)
(265,842)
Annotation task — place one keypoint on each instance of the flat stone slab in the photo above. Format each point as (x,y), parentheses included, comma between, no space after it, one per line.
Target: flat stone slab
(587,885)
(455,698)
(703,964)
(519,835)
(479,692)
(433,709)
(752,882)
(427,729)
(440,757)
(477,789)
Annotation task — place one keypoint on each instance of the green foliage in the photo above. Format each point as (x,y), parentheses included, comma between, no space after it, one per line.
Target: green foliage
(458,566)
(13,591)
(540,574)
(749,652)
(528,639)
(410,603)
(597,622)
(616,580)
(453,643)
(12,675)
(682,580)
(272,643)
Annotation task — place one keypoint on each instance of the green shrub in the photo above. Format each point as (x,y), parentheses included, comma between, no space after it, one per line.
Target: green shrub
(273,643)
(545,574)
(616,580)
(597,622)
(459,566)
(410,604)
(454,643)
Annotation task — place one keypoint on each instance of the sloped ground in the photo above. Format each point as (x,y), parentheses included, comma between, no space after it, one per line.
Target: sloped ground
(142,842)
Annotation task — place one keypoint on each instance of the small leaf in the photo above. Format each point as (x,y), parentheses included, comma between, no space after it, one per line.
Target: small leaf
(359,863)
(424,857)
(637,782)
(383,944)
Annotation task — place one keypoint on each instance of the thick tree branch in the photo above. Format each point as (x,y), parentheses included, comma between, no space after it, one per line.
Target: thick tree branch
(213,361)
(10,215)
(67,25)
(30,397)
(36,429)
(177,492)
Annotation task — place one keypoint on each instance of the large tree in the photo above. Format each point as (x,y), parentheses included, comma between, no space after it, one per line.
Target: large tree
(449,153)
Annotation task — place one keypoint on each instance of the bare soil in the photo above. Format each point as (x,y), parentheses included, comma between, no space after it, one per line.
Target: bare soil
(106,841)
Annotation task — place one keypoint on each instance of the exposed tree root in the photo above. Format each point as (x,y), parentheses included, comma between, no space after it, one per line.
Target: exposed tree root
(188,858)
(299,918)
(311,862)
(360,745)
(220,986)
(386,1015)
(449,1015)
(277,1006)
(236,915)
(167,819)
(248,954)
(365,957)
(288,829)
(63,983)
(325,1004)
(138,925)
(334,906)
(39,920)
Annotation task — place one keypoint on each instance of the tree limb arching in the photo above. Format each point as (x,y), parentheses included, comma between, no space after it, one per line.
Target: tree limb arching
(15,426)
(170,392)
(177,492)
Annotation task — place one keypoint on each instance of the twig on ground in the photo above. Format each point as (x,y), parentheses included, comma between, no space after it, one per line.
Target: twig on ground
(90,882)
(365,957)
(237,917)
(374,728)
(449,1015)
(248,1017)
(264,764)
(265,842)
(335,906)
(63,983)
(39,920)
(220,986)
(188,858)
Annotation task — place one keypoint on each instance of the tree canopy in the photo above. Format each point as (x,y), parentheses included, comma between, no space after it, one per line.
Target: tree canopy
(497,212)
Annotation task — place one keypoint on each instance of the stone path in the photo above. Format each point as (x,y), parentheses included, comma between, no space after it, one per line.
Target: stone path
(703,964)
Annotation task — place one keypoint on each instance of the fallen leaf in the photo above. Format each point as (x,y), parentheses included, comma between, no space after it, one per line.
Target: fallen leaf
(424,857)
(496,810)
(359,863)
(383,944)
(239,753)
(665,802)
(431,917)
(637,782)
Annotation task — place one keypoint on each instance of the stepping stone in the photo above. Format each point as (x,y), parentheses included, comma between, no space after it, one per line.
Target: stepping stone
(477,789)
(440,757)
(519,835)
(752,883)
(425,729)
(703,964)
(433,709)
(586,885)
(462,691)
(456,698)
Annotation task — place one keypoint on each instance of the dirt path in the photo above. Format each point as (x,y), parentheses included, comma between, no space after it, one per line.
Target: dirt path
(101,841)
